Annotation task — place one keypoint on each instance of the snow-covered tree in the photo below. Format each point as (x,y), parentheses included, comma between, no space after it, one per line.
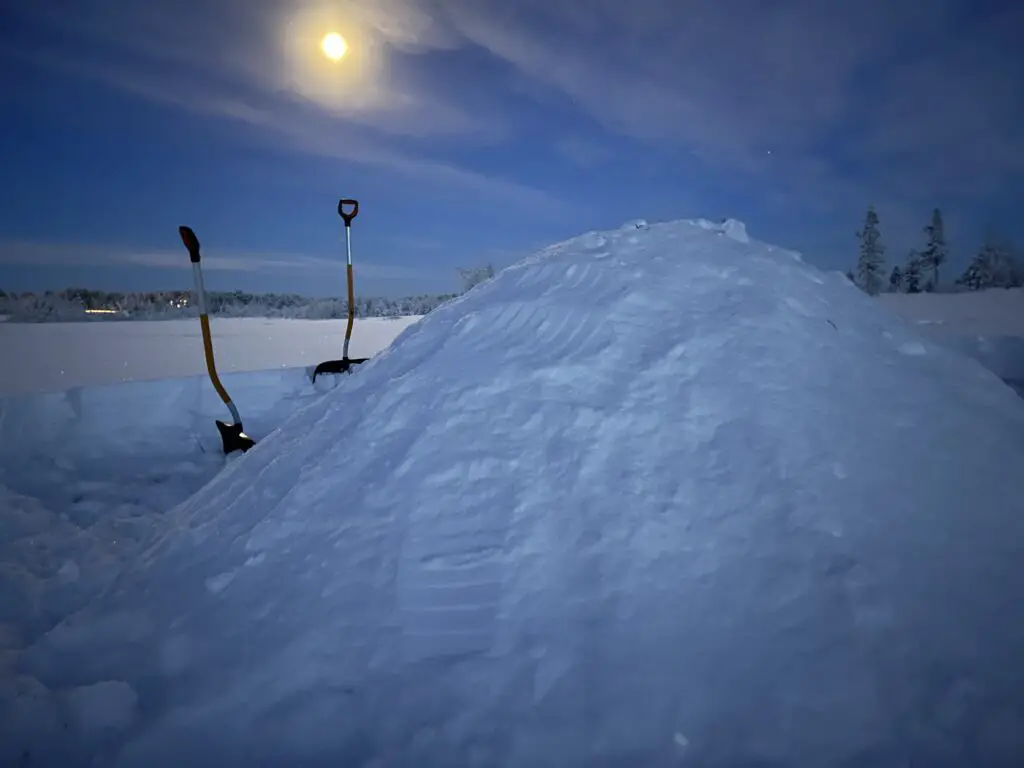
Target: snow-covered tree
(896,280)
(935,250)
(872,255)
(912,273)
(472,276)
(977,276)
(992,267)
(1006,270)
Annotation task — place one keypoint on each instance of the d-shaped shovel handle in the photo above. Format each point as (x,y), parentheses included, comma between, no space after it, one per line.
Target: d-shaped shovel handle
(188,237)
(348,215)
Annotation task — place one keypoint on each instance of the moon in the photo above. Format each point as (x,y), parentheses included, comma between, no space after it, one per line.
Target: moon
(334,46)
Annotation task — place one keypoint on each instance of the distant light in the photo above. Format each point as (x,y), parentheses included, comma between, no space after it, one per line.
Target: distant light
(101,311)
(334,46)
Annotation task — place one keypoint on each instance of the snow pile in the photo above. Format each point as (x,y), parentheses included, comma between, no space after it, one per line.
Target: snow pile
(658,496)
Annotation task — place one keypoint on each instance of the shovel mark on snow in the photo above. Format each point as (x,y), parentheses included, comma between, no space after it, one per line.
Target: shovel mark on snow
(577,277)
(452,561)
(569,337)
(456,615)
(449,584)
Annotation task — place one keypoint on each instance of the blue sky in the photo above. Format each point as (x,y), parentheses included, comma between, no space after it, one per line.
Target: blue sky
(473,131)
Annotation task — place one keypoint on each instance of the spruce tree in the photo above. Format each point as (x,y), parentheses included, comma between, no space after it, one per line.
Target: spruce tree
(896,279)
(473,276)
(871,261)
(912,273)
(992,267)
(978,274)
(1005,271)
(935,251)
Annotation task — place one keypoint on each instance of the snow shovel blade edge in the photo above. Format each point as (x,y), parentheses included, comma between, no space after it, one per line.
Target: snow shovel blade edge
(338,366)
(233,438)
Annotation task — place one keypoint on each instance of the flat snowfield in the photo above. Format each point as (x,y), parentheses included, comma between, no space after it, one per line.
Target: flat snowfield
(56,356)
(995,312)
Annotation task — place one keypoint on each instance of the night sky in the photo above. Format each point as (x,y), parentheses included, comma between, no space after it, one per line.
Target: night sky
(476,130)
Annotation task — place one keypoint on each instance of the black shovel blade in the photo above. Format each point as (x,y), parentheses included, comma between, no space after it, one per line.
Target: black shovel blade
(338,366)
(233,438)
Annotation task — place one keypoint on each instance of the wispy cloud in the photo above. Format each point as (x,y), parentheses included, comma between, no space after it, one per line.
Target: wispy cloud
(271,77)
(265,49)
(832,104)
(55,255)
(952,121)
(781,89)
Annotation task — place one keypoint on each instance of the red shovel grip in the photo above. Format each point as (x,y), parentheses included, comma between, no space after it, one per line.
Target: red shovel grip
(188,237)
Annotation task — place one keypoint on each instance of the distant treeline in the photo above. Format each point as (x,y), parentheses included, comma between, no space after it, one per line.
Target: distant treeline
(994,265)
(85,304)
(73,304)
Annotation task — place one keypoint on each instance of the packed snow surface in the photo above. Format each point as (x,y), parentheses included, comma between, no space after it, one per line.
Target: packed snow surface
(658,496)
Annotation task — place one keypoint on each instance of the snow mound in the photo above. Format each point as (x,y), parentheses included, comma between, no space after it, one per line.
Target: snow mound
(651,497)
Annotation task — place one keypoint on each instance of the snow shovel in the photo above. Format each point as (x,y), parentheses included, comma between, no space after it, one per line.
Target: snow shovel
(232,435)
(345,364)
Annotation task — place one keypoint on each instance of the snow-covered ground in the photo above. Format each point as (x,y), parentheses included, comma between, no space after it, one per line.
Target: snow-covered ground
(994,312)
(96,448)
(656,496)
(987,325)
(56,356)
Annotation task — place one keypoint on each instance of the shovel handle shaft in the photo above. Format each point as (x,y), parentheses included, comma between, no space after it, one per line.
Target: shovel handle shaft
(348,215)
(351,313)
(188,237)
(211,368)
